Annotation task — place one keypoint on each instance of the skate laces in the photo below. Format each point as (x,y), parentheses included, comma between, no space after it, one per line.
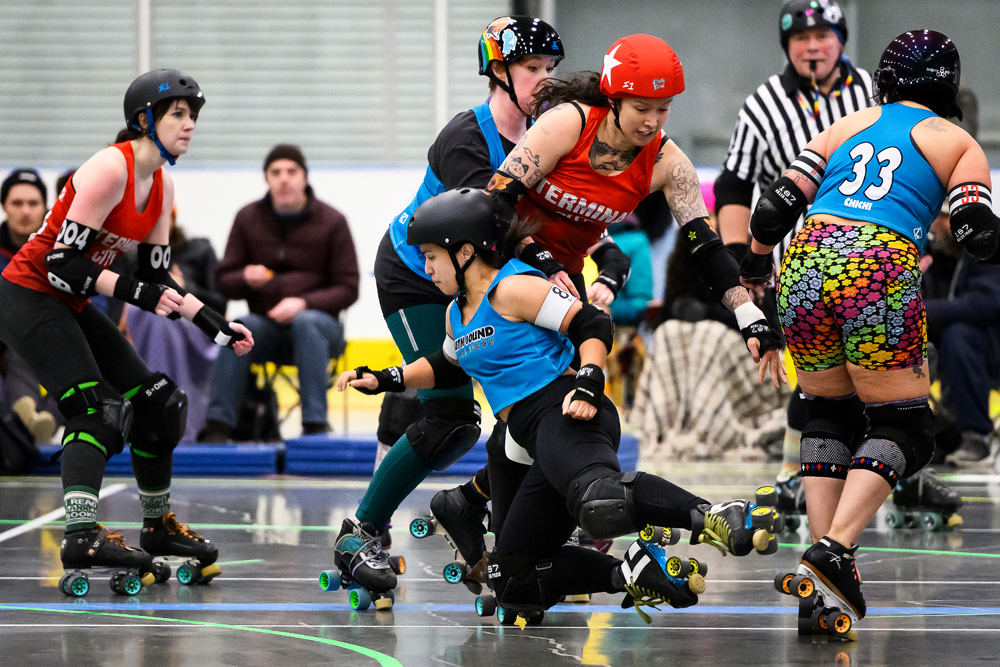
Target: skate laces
(644,597)
(175,527)
(369,553)
(718,530)
(114,537)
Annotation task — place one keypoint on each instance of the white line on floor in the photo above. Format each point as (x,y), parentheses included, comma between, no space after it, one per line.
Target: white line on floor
(439,580)
(540,628)
(54,515)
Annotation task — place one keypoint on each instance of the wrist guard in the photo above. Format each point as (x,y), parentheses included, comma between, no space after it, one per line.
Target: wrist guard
(537,257)
(757,269)
(139,293)
(753,324)
(216,327)
(614,266)
(973,223)
(589,385)
(389,379)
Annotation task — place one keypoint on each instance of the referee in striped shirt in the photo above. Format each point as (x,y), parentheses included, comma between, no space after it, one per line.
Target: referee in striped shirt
(818,87)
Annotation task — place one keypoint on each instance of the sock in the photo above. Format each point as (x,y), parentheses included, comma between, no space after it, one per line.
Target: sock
(790,462)
(473,493)
(155,504)
(398,475)
(81,507)
(152,475)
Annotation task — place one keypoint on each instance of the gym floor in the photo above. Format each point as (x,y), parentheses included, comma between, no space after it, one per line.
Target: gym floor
(933,597)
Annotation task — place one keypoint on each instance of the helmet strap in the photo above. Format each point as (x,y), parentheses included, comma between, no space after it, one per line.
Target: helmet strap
(164,153)
(614,112)
(460,295)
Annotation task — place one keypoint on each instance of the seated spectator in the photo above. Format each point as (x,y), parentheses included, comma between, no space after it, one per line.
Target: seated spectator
(629,307)
(180,349)
(24,199)
(292,258)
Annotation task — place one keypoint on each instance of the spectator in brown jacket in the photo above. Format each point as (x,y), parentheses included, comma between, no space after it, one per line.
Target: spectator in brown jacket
(292,258)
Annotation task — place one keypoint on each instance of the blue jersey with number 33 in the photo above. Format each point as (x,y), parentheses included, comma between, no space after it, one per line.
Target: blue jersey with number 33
(880,176)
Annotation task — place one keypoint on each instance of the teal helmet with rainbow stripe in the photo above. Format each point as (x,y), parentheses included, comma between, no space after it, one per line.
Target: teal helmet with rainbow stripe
(508,38)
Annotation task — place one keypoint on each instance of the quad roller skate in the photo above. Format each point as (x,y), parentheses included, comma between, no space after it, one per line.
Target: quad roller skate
(923,501)
(791,503)
(507,614)
(461,524)
(652,578)
(171,543)
(738,526)
(580,538)
(828,587)
(363,568)
(100,550)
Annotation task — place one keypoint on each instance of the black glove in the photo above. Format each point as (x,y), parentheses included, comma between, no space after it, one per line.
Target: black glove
(537,257)
(753,324)
(614,266)
(756,269)
(589,385)
(138,293)
(216,327)
(389,379)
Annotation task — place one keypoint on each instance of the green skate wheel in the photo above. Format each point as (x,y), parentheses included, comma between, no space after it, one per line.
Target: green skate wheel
(421,528)
(360,599)
(766,496)
(486,605)
(932,521)
(77,585)
(455,573)
(329,580)
(698,567)
(185,574)
(836,622)
(536,618)
(895,519)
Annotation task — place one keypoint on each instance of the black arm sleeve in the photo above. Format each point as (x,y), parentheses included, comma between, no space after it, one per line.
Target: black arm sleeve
(719,270)
(613,264)
(731,189)
(460,156)
(446,374)
(154,266)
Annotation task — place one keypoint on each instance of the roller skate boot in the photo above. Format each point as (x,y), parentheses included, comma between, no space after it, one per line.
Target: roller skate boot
(651,578)
(791,502)
(363,567)
(174,544)
(461,524)
(924,501)
(738,526)
(100,550)
(828,586)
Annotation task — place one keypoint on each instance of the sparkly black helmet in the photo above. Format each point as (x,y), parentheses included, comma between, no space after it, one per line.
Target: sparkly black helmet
(509,38)
(155,86)
(800,15)
(923,65)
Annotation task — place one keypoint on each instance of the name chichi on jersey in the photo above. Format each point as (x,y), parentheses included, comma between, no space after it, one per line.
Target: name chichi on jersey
(575,208)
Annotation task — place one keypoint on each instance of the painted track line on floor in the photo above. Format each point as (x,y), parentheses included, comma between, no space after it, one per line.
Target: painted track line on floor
(53,515)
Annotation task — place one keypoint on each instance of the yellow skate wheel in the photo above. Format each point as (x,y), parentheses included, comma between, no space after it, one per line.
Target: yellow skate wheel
(678,567)
(766,496)
(647,533)
(698,567)
(762,517)
(696,583)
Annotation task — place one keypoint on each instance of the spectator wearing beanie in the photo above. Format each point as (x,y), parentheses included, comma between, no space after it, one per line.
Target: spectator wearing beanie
(24,199)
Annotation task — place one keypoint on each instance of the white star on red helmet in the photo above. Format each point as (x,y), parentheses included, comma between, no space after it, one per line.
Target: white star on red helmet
(609,64)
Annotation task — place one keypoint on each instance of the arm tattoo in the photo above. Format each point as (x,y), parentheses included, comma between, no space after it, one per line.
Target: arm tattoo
(605,158)
(685,194)
(936,125)
(735,297)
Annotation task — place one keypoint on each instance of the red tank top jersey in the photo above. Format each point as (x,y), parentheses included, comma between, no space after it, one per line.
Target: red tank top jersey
(123,230)
(576,204)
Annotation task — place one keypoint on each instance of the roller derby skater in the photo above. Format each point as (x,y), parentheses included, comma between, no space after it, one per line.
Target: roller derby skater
(173,543)
(107,395)
(363,566)
(849,294)
(923,501)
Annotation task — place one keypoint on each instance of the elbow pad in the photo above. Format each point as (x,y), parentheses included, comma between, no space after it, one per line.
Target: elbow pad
(591,322)
(614,266)
(777,211)
(973,223)
(70,271)
(446,374)
(719,270)
(154,266)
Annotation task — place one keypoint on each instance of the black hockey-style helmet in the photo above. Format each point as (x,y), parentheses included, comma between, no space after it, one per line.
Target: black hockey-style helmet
(511,37)
(157,85)
(919,60)
(800,15)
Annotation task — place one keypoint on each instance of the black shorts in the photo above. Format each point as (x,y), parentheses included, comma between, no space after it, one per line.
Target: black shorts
(398,286)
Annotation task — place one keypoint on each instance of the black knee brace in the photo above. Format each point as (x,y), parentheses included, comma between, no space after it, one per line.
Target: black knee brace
(521,581)
(398,411)
(96,414)
(831,434)
(446,432)
(604,506)
(899,442)
(160,416)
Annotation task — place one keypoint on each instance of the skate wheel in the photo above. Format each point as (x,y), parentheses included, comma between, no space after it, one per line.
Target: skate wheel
(390,594)
(696,584)
(805,626)
(894,519)
(486,605)
(762,518)
(455,573)
(836,622)
(161,573)
(506,617)
(932,521)
(698,567)
(384,602)
(77,585)
(130,584)
(536,618)
(329,580)
(397,564)
(818,618)
(209,572)
(954,521)
(792,523)
(422,527)
(766,496)
(802,586)
(62,584)
(771,546)
(678,568)
(360,599)
(782,583)
(186,574)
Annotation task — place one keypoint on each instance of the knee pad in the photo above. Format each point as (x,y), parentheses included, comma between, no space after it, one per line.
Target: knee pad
(399,410)
(833,429)
(446,432)
(160,416)
(96,414)
(899,442)
(521,580)
(604,506)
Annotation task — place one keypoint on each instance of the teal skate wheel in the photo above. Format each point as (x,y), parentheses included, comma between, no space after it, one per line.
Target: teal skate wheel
(185,574)
(329,580)
(766,496)
(486,605)
(895,519)
(129,584)
(390,594)
(360,599)
(506,617)
(455,573)
(932,521)
(420,528)
(62,584)
(77,585)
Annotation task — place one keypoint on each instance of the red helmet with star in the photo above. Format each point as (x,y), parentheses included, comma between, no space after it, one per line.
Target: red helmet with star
(641,66)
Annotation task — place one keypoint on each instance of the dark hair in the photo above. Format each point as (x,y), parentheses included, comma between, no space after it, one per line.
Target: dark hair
(160,110)
(64,178)
(519,229)
(930,96)
(583,87)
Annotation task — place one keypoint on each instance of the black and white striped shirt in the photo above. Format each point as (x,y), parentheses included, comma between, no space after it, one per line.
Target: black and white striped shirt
(775,124)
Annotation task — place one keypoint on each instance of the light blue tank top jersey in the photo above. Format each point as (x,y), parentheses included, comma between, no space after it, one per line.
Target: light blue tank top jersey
(880,176)
(432,185)
(511,360)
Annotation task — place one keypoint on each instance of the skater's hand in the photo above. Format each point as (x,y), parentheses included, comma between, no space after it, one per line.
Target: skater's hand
(350,379)
(578,409)
(770,360)
(561,280)
(600,295)
(241,347)
(169,302)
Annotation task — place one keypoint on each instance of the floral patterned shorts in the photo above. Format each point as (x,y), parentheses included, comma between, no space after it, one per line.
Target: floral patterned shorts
(852,293)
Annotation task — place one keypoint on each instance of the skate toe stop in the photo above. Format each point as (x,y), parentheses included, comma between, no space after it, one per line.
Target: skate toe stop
(696,584)
(147,579)
(761,539)
(383,603)
(954,520)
